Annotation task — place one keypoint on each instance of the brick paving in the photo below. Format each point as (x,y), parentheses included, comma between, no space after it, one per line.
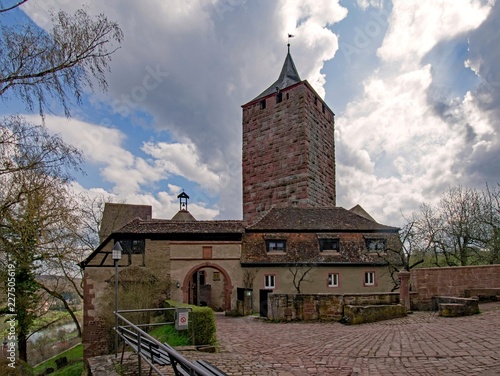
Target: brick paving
(420,344)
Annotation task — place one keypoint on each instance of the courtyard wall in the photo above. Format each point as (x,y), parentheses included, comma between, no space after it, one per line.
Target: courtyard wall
(452,281)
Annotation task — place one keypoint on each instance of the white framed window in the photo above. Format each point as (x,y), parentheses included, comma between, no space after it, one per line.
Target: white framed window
(333,280)
(269,281)
(369,278)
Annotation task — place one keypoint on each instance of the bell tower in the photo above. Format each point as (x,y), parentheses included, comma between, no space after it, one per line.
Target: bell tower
(288,147)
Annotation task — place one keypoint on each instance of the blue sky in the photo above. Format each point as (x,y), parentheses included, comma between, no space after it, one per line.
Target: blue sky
(415,87)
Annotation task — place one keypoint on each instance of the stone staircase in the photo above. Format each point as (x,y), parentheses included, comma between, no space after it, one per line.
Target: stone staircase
(450,306)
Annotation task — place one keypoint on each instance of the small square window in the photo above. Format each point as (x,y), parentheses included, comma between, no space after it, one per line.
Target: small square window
(275,245)
(369,278)
(269,281)
(329,245)
(333,280)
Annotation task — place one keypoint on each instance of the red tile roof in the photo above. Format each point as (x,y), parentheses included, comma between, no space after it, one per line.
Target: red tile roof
(165,226)
(316,219)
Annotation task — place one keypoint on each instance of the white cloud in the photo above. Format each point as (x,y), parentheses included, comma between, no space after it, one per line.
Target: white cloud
(395,150)
(417,26)
(131,175)
(207,59)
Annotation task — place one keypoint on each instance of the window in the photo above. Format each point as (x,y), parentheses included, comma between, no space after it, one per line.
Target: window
(369,278)
(323,108)
(279,97)
(269,281)
(329,245)
(199,277)
(275,245)
(376,245)
(333,280)
(263,104)
(133,247)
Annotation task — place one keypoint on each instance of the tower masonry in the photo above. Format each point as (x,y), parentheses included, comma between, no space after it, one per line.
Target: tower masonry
(288,147)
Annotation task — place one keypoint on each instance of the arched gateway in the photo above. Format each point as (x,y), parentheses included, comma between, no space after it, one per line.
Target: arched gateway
(188,286)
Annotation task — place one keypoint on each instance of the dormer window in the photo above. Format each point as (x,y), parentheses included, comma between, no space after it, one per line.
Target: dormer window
(329,245)
(376,245)
(275,245)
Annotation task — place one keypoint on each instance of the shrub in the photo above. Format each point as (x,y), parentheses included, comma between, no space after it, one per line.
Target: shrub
(21,368)
(202,321)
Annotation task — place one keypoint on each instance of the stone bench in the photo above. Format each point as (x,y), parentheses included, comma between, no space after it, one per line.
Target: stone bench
(485,294)
(450,306)
(354,315)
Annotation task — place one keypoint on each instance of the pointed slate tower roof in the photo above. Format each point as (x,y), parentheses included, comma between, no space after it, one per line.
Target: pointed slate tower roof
(288,77)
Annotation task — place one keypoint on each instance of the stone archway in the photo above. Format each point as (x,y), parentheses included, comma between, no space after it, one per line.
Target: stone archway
(228,286)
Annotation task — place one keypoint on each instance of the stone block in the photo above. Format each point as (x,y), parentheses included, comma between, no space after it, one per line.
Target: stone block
(354,315)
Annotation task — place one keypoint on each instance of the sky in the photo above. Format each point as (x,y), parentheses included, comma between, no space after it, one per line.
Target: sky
(414,85)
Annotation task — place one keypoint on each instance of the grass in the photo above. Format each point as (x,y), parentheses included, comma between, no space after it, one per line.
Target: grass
(75,369)
(74,357)
(169,334)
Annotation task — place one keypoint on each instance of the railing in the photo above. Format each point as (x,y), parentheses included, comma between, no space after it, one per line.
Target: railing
(174,310)
(150,350)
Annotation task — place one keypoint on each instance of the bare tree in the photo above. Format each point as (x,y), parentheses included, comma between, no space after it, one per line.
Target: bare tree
(35,64)
(463,229)
(39,219)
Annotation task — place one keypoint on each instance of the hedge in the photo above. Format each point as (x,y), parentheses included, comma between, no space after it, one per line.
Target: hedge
(202,319)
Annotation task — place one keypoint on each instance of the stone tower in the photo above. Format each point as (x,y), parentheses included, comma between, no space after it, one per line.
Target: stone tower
(288,147)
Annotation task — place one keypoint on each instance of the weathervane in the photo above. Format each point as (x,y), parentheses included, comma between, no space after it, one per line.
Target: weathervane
(289,36)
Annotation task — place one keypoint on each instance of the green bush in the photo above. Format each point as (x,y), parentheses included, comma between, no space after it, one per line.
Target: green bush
(202,320)
(20,368)
(72,370)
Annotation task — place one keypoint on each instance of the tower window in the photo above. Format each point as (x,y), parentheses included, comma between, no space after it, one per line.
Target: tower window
(323,108)
(287,96)
(279,97)
(315,100)
(263,104)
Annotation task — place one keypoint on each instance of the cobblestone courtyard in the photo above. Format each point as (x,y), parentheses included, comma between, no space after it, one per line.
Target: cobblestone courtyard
(420,344)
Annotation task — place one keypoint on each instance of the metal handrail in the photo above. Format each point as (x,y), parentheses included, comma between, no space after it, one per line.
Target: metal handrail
(156,310)
(194,369)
